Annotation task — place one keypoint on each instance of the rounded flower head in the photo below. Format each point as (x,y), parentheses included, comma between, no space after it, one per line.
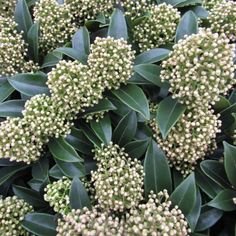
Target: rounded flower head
(12,49)
(90,222)
(157,217)
(111,61)
(158,27)
(222,19)
(209,4)
(73,86)
(89,9)
(190,139)
(7,8)
(12,213)
(18,141)
(46,118)
(200,68)
(58,195)
(118,181)
(56,26)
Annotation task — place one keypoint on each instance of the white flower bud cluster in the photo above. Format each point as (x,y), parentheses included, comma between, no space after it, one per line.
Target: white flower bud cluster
(111,62)
(73,86)
(12,49)
(89,223)
(46,118)
(200,68)
(7,8)
(209,4)
(222,19)
(97,116)
(118,181)
(157,217)
(18,141)
(190,139)
(56,24)
(88,9)
(12,212)
(158,28)
(58,195)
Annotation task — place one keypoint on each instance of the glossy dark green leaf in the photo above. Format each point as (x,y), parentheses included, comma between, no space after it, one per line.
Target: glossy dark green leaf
(35,184)
(12,108)
(184,195)
(151,73)
(40,169)
(23,17)
(224,200)
(79,141)
(40,224)
(226,116)
(126,129)
(232,98)
(71,169)
(63,151)
(33,41)
(29,195)
(188,25)
(51,59)
(30,84)
(222,104)
(103,129)
(183,3)
(177,178)
(136,149)
(152,56)
(70,52)
(157,172)
(208,218)
(5,90)
(78,195)
(200,12)
(168,113)
(133,97)
(117,27)
(215,170)
(230,162)
(138,80)
(81,43)
(56,172)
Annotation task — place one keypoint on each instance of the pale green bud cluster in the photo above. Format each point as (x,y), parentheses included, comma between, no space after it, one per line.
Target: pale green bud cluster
(7,8)
(56,24)
(209,4)
(222,19)
(157,217)
(118,180)
(90,222)
(12,49)
(12,213)
(158,27)
(190,139)
(200,68)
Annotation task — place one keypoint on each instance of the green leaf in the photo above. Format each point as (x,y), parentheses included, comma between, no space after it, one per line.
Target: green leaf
(56,172)
(81,43)
(138,80)
(157,172)
(222,104)
(29,195)
(152,56)
(117,27)
(78,195)
(40,224)
(103,129)
(23,17)
(188,25)
(30,84)
(215,171)
(5,90)
(133,97)
(12,108)
(70,52)
(35,184)
(232,98)
(200,11)
(63,151)
(126,129)
(168,113)
(40,169)
(184,195)
(136,149)
(183,3)
(150,73)
(224,200)
(51,59)
(79,141)
(71,169)
(230,162)
(33,41)
(208,218)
